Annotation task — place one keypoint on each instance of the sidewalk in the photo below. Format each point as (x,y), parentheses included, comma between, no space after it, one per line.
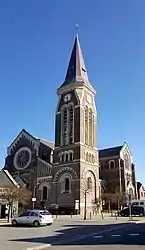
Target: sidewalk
(98,218)
(107,218)
(4,221)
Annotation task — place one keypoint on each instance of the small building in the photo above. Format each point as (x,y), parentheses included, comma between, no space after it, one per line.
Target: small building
(6,180)
(140,191)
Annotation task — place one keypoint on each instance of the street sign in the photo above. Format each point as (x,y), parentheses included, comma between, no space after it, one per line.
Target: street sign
(33,199)
(77,204)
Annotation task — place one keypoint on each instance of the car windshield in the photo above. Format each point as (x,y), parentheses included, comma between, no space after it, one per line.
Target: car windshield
(44,213)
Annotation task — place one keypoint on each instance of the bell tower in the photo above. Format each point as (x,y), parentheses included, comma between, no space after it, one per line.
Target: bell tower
(76,163)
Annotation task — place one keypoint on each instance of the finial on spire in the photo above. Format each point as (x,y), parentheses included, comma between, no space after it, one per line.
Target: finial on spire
(77,29)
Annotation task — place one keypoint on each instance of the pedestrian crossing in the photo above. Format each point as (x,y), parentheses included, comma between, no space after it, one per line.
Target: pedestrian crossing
(116,235)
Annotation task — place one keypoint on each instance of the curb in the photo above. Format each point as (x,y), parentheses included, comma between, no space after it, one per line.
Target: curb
(38,247)
(141,221)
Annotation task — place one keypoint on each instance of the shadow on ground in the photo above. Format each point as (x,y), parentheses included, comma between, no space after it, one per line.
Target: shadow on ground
(84,235)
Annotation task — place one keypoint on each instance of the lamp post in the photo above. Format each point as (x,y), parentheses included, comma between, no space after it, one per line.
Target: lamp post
(85,196)
(34,197)
(34,194)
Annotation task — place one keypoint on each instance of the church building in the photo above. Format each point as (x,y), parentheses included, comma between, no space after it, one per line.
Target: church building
(63,175)
(118,170)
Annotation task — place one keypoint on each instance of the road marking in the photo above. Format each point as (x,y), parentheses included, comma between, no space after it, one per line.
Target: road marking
(134,234)
(115,235)
(38,247)
(98,236)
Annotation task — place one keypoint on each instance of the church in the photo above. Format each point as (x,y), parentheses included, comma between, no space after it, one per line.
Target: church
(63,175)
(60,174)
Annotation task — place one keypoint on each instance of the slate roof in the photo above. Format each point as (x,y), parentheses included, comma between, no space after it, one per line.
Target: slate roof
(47,143)
(110,152)
(76,71)
(139,185)
(6,179)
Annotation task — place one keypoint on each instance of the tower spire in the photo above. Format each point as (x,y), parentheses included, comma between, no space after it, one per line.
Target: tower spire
(76,71)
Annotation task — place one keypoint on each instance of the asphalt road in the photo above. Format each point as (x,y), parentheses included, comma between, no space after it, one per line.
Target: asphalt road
(73,234)
(131,236)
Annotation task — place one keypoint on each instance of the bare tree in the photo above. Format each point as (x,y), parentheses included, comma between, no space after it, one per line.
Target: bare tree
(14,194)
(108,198)
(116,198)
(86,186)
(96,205)
(120,199)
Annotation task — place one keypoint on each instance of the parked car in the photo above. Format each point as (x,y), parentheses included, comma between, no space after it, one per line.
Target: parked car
(33,217)
(135,210)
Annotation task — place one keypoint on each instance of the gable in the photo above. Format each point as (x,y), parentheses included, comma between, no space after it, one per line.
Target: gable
(23,135)
(35,142)
(126,150)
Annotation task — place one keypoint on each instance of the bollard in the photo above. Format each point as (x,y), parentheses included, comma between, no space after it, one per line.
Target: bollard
(71,214)
(90,215)
(116,215)
(102,215)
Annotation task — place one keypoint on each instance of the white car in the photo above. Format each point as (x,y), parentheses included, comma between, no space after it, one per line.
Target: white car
(33,217)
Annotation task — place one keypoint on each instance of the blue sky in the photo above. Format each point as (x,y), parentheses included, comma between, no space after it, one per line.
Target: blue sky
(36,38)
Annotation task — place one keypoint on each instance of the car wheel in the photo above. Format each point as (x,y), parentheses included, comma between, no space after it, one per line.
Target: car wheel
(49,224)
(36,223)
(141,214)
(14,223)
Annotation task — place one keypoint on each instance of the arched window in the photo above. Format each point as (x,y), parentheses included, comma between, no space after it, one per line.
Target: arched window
(89,184)
(68,125)
(65,126)
(71,124)
(111,164)
(66,157)
(45,192)
(127,161)
(67,185)
(71,156)
(90,127)
(86,125)
(62,158)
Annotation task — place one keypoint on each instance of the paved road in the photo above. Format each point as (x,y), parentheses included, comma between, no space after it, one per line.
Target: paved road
(61,233)
(121,238)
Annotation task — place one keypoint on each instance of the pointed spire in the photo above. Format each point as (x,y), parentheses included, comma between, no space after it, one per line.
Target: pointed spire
(76,71)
